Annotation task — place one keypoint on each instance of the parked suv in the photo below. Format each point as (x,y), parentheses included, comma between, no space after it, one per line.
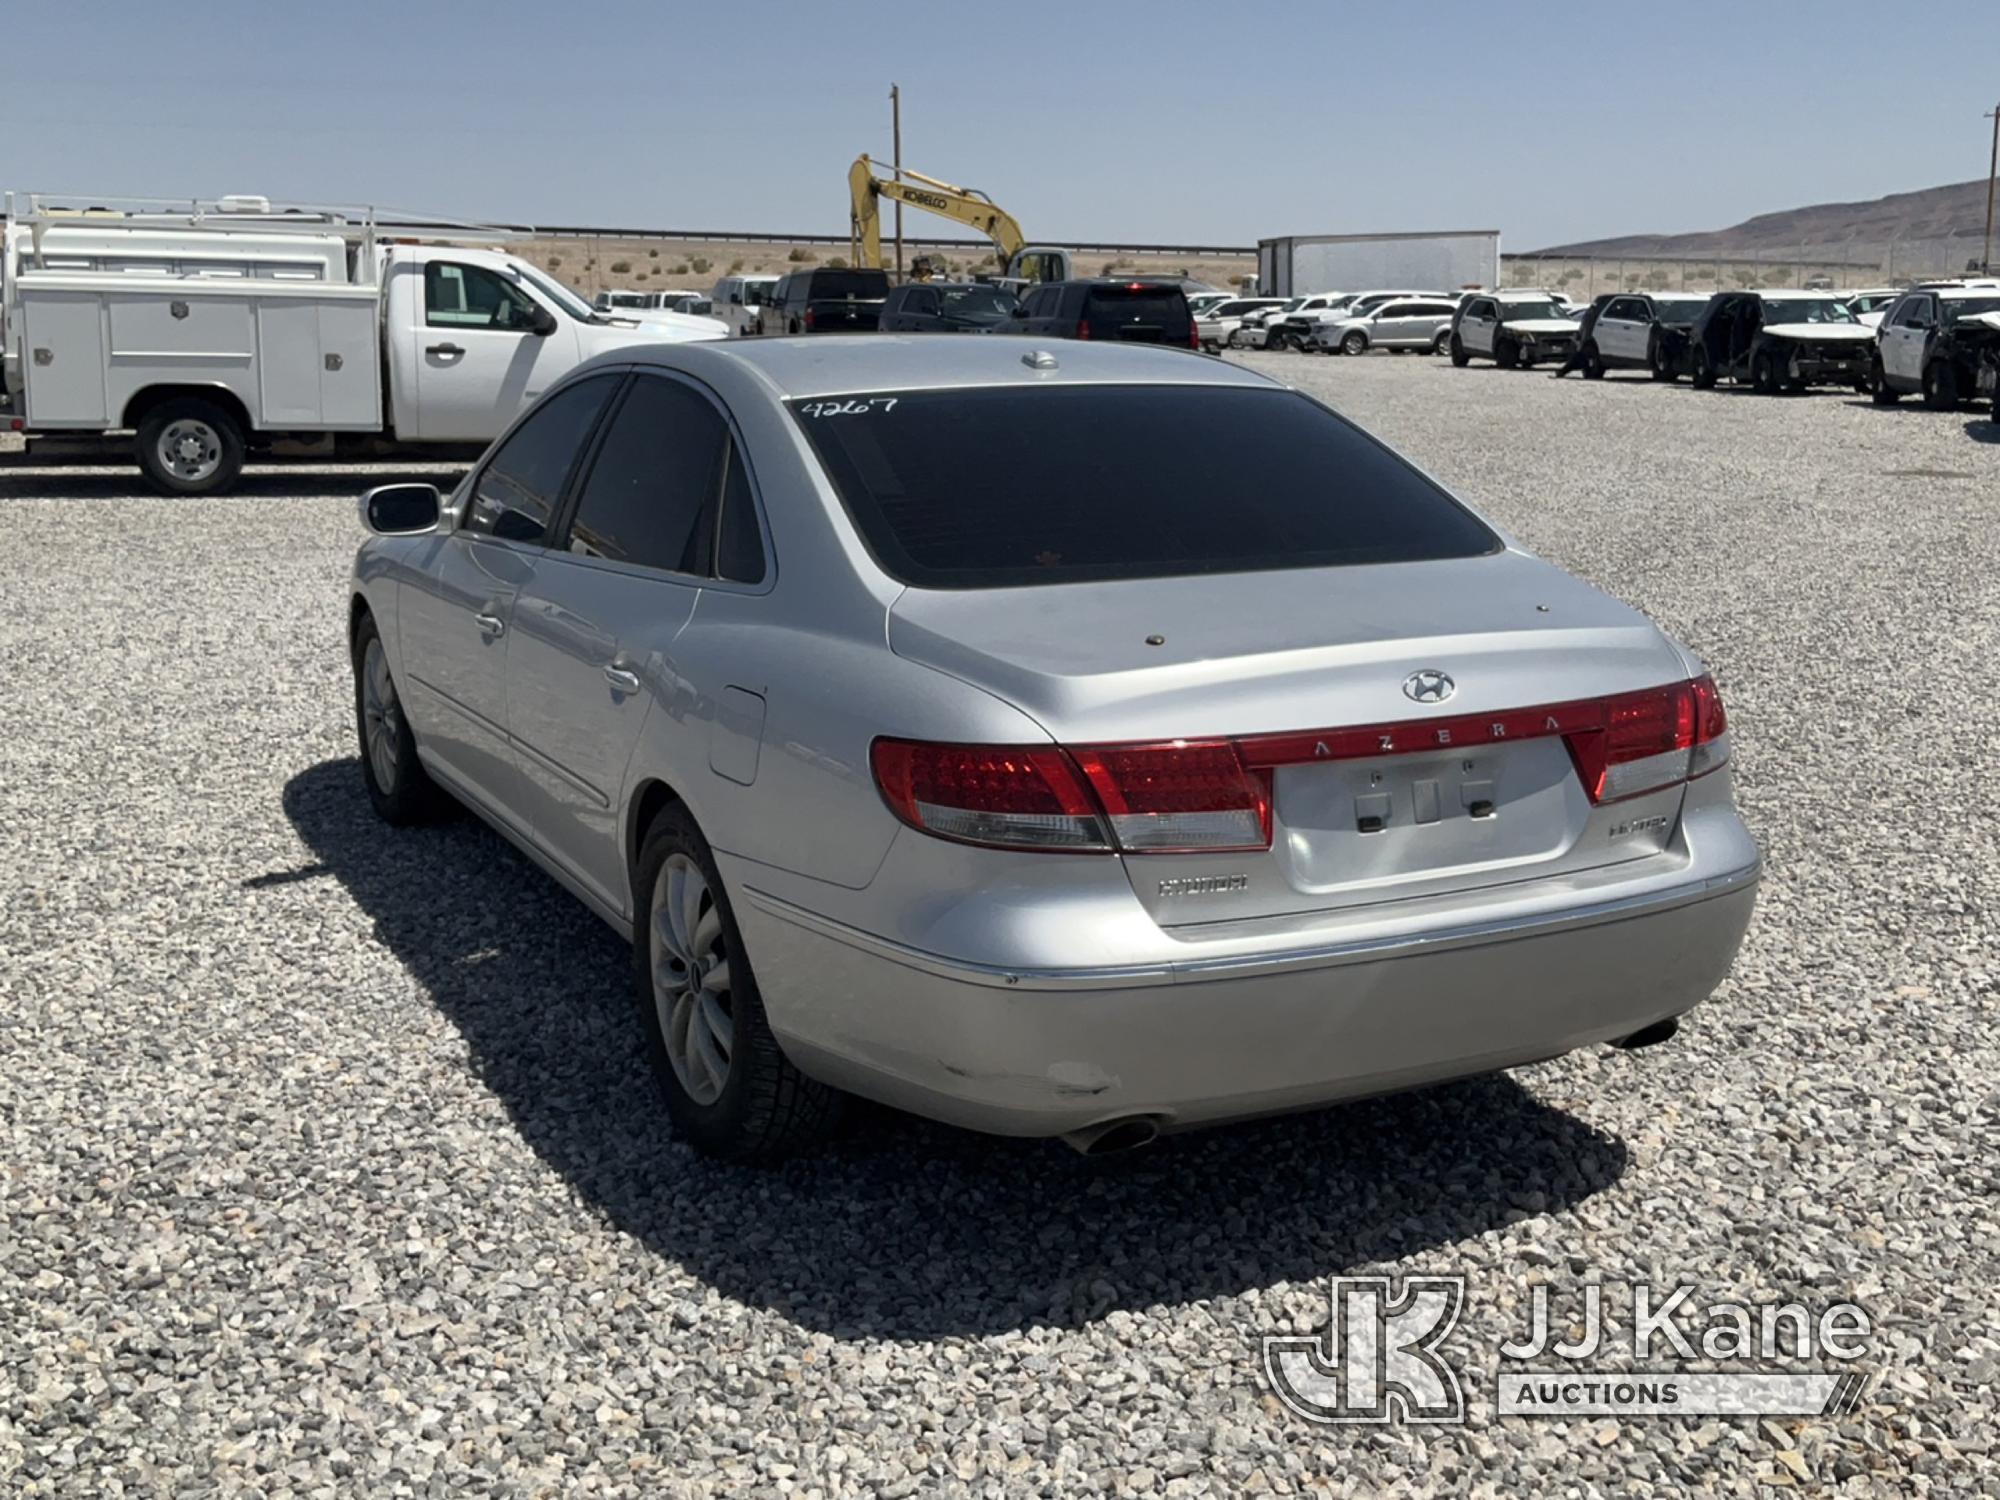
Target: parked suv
(1933,343)
(1640,331)
(1511,328)
(1291,326)
(827,301)
(1779,341)
(1422,323)
(946,307)
(1133,312)
(1216,324)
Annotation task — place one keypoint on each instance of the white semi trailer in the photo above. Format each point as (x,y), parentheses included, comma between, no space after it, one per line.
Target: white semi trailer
(1301,264)
(210,329)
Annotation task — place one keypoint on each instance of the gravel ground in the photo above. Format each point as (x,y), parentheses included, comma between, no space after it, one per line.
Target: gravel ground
(331,1165)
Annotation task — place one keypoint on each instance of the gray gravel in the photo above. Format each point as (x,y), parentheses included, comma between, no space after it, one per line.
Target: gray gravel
(331,1165)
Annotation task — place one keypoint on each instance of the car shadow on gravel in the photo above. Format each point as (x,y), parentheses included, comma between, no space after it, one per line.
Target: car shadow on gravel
(900,1228)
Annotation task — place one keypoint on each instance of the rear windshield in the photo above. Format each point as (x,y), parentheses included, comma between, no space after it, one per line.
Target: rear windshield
(848,284)
(1161,307)
(978,304)
(995,488)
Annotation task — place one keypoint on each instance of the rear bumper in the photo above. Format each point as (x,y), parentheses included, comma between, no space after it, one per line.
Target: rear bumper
(1220,1036)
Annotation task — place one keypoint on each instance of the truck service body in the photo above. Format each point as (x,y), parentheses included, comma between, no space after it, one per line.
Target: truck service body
(251,327)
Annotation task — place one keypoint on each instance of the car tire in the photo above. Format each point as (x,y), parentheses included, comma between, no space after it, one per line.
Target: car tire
(190,447)
(399,788)
(1506,353)
(1441,342)
(1658,361)
(1940,386)
(1701,370)
(1354,341)
(1593,362)
(1764,374)
(1879,390)
(728,1086)
(1459,358)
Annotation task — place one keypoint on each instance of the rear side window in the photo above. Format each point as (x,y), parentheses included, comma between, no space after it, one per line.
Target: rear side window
(649,494)
(1146,311)
(516,493)
(946,493)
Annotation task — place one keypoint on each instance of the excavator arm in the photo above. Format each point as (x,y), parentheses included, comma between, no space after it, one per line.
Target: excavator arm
(962,205)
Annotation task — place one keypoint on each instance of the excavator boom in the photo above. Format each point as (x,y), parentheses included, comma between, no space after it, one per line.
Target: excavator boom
(962,205)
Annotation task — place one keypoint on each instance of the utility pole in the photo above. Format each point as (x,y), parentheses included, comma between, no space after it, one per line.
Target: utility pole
(896,126)
(1992,172)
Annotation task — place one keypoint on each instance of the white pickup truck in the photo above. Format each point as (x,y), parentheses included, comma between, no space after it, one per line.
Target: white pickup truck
(213,329)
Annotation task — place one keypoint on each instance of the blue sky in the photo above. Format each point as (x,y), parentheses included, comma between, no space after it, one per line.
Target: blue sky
(1158,121)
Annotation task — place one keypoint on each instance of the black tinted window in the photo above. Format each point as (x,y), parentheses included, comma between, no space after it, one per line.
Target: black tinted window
(739,554)
(1124,310)
(847,284)
(652,485)
(948,495)
(516,493)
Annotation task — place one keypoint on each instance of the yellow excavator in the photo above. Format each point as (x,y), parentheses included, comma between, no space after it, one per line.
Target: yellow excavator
(1019,261)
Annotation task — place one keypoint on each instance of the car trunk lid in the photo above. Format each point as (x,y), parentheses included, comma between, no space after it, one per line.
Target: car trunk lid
(1293,665)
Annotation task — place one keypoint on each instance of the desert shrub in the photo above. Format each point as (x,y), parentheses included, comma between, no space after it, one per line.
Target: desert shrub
(836,263)
(681,269)
(700,265)
(798,254)
(652,255)
(734,267)
(555,262)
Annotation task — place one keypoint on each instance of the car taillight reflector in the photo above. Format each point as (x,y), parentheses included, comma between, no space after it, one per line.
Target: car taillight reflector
(1083,329)
(1194,335)
(1182,795)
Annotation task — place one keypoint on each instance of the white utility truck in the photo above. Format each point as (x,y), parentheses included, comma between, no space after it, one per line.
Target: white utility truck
(208,329)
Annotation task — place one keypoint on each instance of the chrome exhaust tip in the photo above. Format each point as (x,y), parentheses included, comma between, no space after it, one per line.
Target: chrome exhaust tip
(1113,1136)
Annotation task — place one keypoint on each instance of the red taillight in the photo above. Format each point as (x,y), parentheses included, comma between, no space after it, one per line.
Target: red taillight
(807,320)
(1179,796)
(1154,799)
(1083,329)
(1194,335)
(1008,796)
(1188,796)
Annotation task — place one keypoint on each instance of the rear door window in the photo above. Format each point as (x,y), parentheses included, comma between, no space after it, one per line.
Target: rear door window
(947,495)
(649,498)
(847,284)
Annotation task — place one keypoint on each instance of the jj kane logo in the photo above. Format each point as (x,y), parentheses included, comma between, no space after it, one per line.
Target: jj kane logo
(1380,1357)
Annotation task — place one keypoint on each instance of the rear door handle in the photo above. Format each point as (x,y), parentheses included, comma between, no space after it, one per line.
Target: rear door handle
(621,680)
(451,349)
(491,625)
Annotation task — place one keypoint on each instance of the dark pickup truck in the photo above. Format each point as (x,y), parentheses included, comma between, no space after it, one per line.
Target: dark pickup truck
(827,301)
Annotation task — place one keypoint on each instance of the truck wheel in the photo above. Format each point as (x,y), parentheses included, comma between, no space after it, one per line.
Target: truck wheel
(1764,375)
(1354,342)
(1459,357)
(1593,362)
(1940,386)
(1441,343)
(1701,369)
(190,447)
(1506,353)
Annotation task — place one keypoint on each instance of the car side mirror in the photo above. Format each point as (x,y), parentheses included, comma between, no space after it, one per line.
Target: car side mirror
(401,509)
(735,299)
(542,322)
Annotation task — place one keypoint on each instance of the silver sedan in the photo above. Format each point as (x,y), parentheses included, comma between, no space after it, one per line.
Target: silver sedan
(942,726)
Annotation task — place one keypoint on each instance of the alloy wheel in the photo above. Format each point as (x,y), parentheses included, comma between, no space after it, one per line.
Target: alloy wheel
(381,716)
(691,994)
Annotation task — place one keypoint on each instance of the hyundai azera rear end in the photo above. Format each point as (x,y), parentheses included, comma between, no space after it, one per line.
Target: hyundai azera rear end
(946,724)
